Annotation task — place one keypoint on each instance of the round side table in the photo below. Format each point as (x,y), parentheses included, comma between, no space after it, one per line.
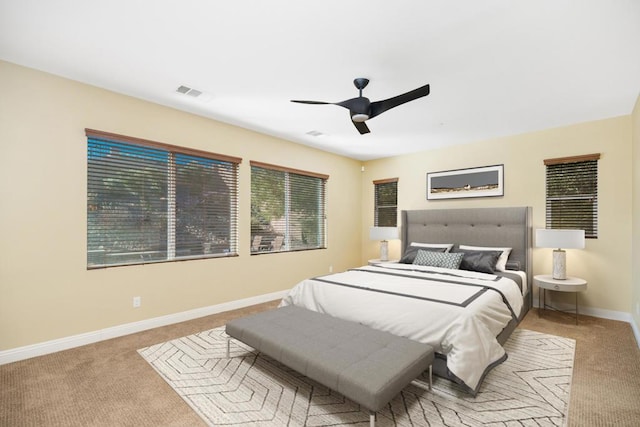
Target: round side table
(547,282)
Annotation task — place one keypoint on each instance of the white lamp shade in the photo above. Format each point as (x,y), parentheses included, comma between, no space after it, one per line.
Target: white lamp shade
(383,233)
(565,239)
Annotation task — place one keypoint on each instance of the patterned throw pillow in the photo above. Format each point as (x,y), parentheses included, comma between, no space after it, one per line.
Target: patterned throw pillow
(439,259)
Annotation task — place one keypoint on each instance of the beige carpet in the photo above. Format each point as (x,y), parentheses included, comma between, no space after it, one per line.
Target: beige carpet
(109,384)
(606,385)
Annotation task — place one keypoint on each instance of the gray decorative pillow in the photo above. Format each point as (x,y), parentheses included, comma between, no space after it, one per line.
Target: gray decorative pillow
(481,261)
(438,259)
(513,265)
(411,252)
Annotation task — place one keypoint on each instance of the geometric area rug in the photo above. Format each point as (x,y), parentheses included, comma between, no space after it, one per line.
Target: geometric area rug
(531,388)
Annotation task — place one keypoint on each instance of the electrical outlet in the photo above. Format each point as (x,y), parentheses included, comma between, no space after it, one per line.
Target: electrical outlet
(136,302)
(331,269)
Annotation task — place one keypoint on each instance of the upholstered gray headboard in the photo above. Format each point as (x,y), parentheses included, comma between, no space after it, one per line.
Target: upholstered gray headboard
(502,227)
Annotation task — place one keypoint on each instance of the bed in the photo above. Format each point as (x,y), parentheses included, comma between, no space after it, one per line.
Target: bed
(465,315)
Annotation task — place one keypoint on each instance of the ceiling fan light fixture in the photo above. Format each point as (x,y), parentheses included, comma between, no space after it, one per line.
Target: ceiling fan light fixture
(359,118)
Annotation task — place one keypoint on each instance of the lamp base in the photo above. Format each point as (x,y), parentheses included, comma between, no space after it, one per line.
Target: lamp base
(384,250)
(559,264)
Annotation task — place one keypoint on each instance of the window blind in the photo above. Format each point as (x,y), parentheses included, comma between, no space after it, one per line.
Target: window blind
(386,203)
(153,202)
(572,194)
(287,209)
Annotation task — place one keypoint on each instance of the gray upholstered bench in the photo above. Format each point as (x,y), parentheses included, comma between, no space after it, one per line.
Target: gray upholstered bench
(365,365)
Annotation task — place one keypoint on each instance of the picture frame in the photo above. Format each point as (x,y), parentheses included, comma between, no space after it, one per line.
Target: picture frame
(485,181)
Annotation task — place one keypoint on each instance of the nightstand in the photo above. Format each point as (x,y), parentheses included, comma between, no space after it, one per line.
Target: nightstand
(547,282)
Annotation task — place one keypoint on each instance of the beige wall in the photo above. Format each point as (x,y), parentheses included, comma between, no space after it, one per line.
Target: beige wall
(635,284)
(46,291)
(606,262)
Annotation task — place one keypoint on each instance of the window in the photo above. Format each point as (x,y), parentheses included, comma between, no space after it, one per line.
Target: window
(287,209)
(152,202)
(572,193)
(386,203)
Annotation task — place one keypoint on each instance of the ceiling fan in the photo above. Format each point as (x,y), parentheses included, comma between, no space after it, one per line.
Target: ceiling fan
(361,109)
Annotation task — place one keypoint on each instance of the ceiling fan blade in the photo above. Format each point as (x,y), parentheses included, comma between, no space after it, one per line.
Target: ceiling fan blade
(311,102)
(380,107)
(362,127)
(349,103)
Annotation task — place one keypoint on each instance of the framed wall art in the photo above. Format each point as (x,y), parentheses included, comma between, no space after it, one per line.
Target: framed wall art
(486,181)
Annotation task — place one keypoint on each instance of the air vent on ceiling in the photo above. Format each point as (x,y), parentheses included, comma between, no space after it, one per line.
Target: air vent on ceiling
(189,91)
(315,133)
(194,93)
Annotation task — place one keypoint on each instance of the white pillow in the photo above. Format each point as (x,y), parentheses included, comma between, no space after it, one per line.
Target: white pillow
(501,265)
(447,246)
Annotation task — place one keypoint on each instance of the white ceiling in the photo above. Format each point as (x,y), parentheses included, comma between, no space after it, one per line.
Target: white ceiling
(495,67)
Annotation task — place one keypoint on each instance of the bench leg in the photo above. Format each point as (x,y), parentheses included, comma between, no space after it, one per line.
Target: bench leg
(421,381)
(372,419)
(228,342)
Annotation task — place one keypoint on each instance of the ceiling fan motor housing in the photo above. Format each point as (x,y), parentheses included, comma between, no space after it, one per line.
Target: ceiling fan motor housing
(359,108)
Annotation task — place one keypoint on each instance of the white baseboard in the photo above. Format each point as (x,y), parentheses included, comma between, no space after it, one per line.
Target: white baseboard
(636,331)
(590,311)
(47,347)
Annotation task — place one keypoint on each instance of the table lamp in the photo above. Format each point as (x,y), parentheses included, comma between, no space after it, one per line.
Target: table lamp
(383,234)
(568,239)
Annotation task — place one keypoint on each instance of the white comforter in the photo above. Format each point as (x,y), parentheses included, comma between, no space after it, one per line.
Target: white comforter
(460,320)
